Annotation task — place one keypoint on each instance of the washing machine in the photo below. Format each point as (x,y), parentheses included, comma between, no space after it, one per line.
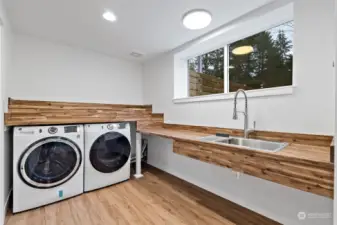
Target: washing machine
(47,165)
(107,154)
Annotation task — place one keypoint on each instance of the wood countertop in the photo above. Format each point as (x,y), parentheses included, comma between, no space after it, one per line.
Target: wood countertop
(36,113)
(302,166)
(319,154)
(172,133)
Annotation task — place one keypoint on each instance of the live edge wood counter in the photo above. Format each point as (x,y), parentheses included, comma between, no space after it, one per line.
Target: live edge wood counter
(302,166)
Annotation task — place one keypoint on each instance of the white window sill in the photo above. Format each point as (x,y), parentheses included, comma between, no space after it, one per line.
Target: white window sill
(286,90)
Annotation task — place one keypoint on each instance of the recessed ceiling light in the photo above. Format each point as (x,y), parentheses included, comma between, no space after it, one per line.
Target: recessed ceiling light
(243,50)
(197,19)
(109,16)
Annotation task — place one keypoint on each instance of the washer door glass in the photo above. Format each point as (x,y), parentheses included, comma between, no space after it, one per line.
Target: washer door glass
(50,162)
(110,152)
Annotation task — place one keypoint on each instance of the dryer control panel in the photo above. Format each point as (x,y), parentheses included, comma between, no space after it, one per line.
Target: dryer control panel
(114,126)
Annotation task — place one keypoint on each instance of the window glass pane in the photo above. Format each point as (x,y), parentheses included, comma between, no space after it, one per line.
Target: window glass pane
(206,73)
(263,60)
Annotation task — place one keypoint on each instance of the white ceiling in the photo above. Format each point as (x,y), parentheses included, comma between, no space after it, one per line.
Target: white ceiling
(148,26)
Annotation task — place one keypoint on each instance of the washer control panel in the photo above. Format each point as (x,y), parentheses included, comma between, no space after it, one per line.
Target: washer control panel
(52,130)
(70,129)
(49,130)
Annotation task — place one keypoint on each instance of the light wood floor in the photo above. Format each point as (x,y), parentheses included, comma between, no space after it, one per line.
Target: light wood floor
(158,198)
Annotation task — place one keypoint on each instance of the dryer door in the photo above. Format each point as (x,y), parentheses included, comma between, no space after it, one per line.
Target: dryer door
(50,162)
(110,152)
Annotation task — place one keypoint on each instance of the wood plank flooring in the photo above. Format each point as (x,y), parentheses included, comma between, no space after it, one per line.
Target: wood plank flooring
(158,198)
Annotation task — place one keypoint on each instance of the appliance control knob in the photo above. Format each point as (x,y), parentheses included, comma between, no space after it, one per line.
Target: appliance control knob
(113,126)
(52,130)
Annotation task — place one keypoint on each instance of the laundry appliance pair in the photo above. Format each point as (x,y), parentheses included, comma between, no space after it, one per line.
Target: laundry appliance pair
(52,163)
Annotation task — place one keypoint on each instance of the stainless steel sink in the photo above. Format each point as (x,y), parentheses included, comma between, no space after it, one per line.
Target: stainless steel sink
(213,138)
(253,144)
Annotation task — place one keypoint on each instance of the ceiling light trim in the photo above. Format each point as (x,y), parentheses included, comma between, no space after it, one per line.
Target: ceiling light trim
(188,23)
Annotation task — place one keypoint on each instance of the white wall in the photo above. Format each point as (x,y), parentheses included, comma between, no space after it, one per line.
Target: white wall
(310,109)
(44,70)
(5,140)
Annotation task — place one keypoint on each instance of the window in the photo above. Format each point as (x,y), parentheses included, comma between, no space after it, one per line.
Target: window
(263,60)
(206,73)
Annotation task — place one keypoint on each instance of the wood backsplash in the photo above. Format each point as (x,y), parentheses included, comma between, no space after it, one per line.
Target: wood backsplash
(309,139)
(26,112)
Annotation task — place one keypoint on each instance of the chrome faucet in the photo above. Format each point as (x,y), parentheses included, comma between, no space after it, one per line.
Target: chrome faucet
(245,113)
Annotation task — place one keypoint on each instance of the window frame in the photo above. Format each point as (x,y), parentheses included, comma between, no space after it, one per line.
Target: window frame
(226,69)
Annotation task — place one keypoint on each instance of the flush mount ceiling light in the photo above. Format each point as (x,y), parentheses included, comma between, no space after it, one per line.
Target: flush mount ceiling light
(243,50)
(109,16)
(197,19)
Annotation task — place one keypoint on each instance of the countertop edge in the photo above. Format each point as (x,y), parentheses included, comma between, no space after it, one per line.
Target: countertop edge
(264,154)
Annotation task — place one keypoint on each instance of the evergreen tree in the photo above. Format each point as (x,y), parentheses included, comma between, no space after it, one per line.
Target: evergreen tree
(283,45)
(264,57)
(269,65)
(217,62)
(284,58)
(241,65)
